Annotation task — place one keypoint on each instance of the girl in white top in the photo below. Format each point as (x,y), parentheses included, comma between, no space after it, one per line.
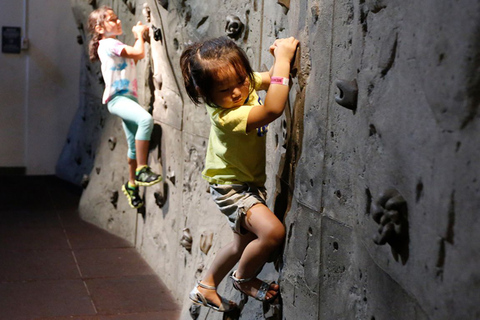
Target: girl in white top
(119,73)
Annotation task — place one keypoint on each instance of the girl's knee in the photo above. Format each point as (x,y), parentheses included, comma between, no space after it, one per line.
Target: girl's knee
(145,128)
(131,154)
(280,235)
(236,250)
(147,123)
(275,236)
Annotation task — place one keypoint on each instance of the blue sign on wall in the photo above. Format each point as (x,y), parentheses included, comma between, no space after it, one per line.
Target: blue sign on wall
(11,39)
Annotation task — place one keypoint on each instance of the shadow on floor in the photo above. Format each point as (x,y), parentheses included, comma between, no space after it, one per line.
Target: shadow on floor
(53,265)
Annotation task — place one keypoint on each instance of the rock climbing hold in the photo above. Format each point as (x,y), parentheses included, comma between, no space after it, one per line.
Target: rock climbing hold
(85,181)
(390,212)
(114,197)
(348,93)
(157,33)
(159,199)
(146,12)
(194,311)
(284,3)
(234,27)
(186,240)
(206,240)
(112,142)
(164,3)
(130,5)
(171,176)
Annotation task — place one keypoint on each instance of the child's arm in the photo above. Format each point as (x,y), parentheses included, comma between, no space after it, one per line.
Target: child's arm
(266,78)
(136,52)
(277,94)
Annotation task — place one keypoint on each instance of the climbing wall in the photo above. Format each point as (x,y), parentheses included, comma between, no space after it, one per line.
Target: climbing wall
(372,168)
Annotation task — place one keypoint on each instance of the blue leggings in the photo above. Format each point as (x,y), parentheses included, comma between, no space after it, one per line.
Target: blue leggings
(137,122)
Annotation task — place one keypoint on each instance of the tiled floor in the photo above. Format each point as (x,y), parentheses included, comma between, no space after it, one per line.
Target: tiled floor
(55,266)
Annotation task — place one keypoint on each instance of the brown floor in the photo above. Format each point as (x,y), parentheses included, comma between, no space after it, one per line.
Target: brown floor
(53,265)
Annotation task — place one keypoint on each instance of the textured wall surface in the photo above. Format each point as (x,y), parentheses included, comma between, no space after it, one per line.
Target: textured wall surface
(372,167)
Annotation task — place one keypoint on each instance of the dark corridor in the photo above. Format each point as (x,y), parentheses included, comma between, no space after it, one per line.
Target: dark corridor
(53,265)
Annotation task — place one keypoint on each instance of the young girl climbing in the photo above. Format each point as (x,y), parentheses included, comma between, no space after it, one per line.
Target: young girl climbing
(218,73)
(118,70)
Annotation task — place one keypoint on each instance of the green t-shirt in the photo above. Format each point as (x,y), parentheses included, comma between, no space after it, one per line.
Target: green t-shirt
(233,155)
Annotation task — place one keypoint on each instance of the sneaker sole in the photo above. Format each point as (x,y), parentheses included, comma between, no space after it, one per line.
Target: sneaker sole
(148,184)
(130,199)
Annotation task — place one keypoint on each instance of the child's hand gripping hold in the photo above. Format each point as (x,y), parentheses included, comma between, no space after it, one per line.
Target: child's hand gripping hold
(137,51)
(283,50)
(139,29)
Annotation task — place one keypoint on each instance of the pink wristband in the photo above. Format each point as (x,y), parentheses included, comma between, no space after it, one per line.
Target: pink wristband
(279,80)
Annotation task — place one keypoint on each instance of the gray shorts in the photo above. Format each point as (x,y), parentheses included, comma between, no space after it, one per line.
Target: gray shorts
(234,200)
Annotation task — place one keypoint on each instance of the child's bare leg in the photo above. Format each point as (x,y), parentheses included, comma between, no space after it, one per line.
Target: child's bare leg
(132,166)
(224,261)
(141,147)
(270,234)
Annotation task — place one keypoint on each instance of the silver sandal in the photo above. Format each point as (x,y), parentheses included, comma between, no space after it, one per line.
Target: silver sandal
(262,291)
(198,298)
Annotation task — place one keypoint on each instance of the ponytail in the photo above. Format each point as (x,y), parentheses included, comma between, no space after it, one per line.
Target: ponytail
(186,60)
(93,47)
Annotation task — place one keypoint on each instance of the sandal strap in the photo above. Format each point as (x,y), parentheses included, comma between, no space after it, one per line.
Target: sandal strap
(225,306)
(206,286)
(237,280)
(198,298)
(261,294)
(262,291)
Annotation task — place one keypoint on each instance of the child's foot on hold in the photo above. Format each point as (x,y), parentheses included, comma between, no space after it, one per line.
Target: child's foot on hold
(256,288)
(146,177)
(207,296)
(133,196)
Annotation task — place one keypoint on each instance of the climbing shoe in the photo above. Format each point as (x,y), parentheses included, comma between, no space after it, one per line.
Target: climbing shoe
(133,196)
(146,177)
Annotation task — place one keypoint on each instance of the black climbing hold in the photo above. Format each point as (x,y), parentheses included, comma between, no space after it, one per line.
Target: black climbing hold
(348,93)
(157,33)
(234,27)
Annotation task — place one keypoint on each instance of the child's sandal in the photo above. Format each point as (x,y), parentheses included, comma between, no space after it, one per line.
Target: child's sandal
(262,291)
(198,298)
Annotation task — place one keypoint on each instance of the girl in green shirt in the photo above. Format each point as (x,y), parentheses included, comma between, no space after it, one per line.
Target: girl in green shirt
(217,72)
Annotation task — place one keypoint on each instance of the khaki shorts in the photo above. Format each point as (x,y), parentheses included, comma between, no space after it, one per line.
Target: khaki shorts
(234,200)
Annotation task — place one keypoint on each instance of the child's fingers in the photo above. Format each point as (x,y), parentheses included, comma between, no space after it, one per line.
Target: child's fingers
(139,28)
(285,42)
(296,43)
(272,50)
(284,47)
(291,41)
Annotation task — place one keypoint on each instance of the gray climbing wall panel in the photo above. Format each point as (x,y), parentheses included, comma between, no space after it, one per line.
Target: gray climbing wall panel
(372,168)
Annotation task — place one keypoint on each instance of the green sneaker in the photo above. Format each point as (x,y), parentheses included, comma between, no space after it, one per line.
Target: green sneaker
(146,177)
(133,196)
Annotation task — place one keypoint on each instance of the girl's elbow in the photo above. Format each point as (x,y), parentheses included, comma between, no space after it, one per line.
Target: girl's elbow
(273,115)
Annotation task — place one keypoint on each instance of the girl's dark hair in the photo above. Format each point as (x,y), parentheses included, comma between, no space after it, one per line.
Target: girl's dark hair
(96,17)
(201,63)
